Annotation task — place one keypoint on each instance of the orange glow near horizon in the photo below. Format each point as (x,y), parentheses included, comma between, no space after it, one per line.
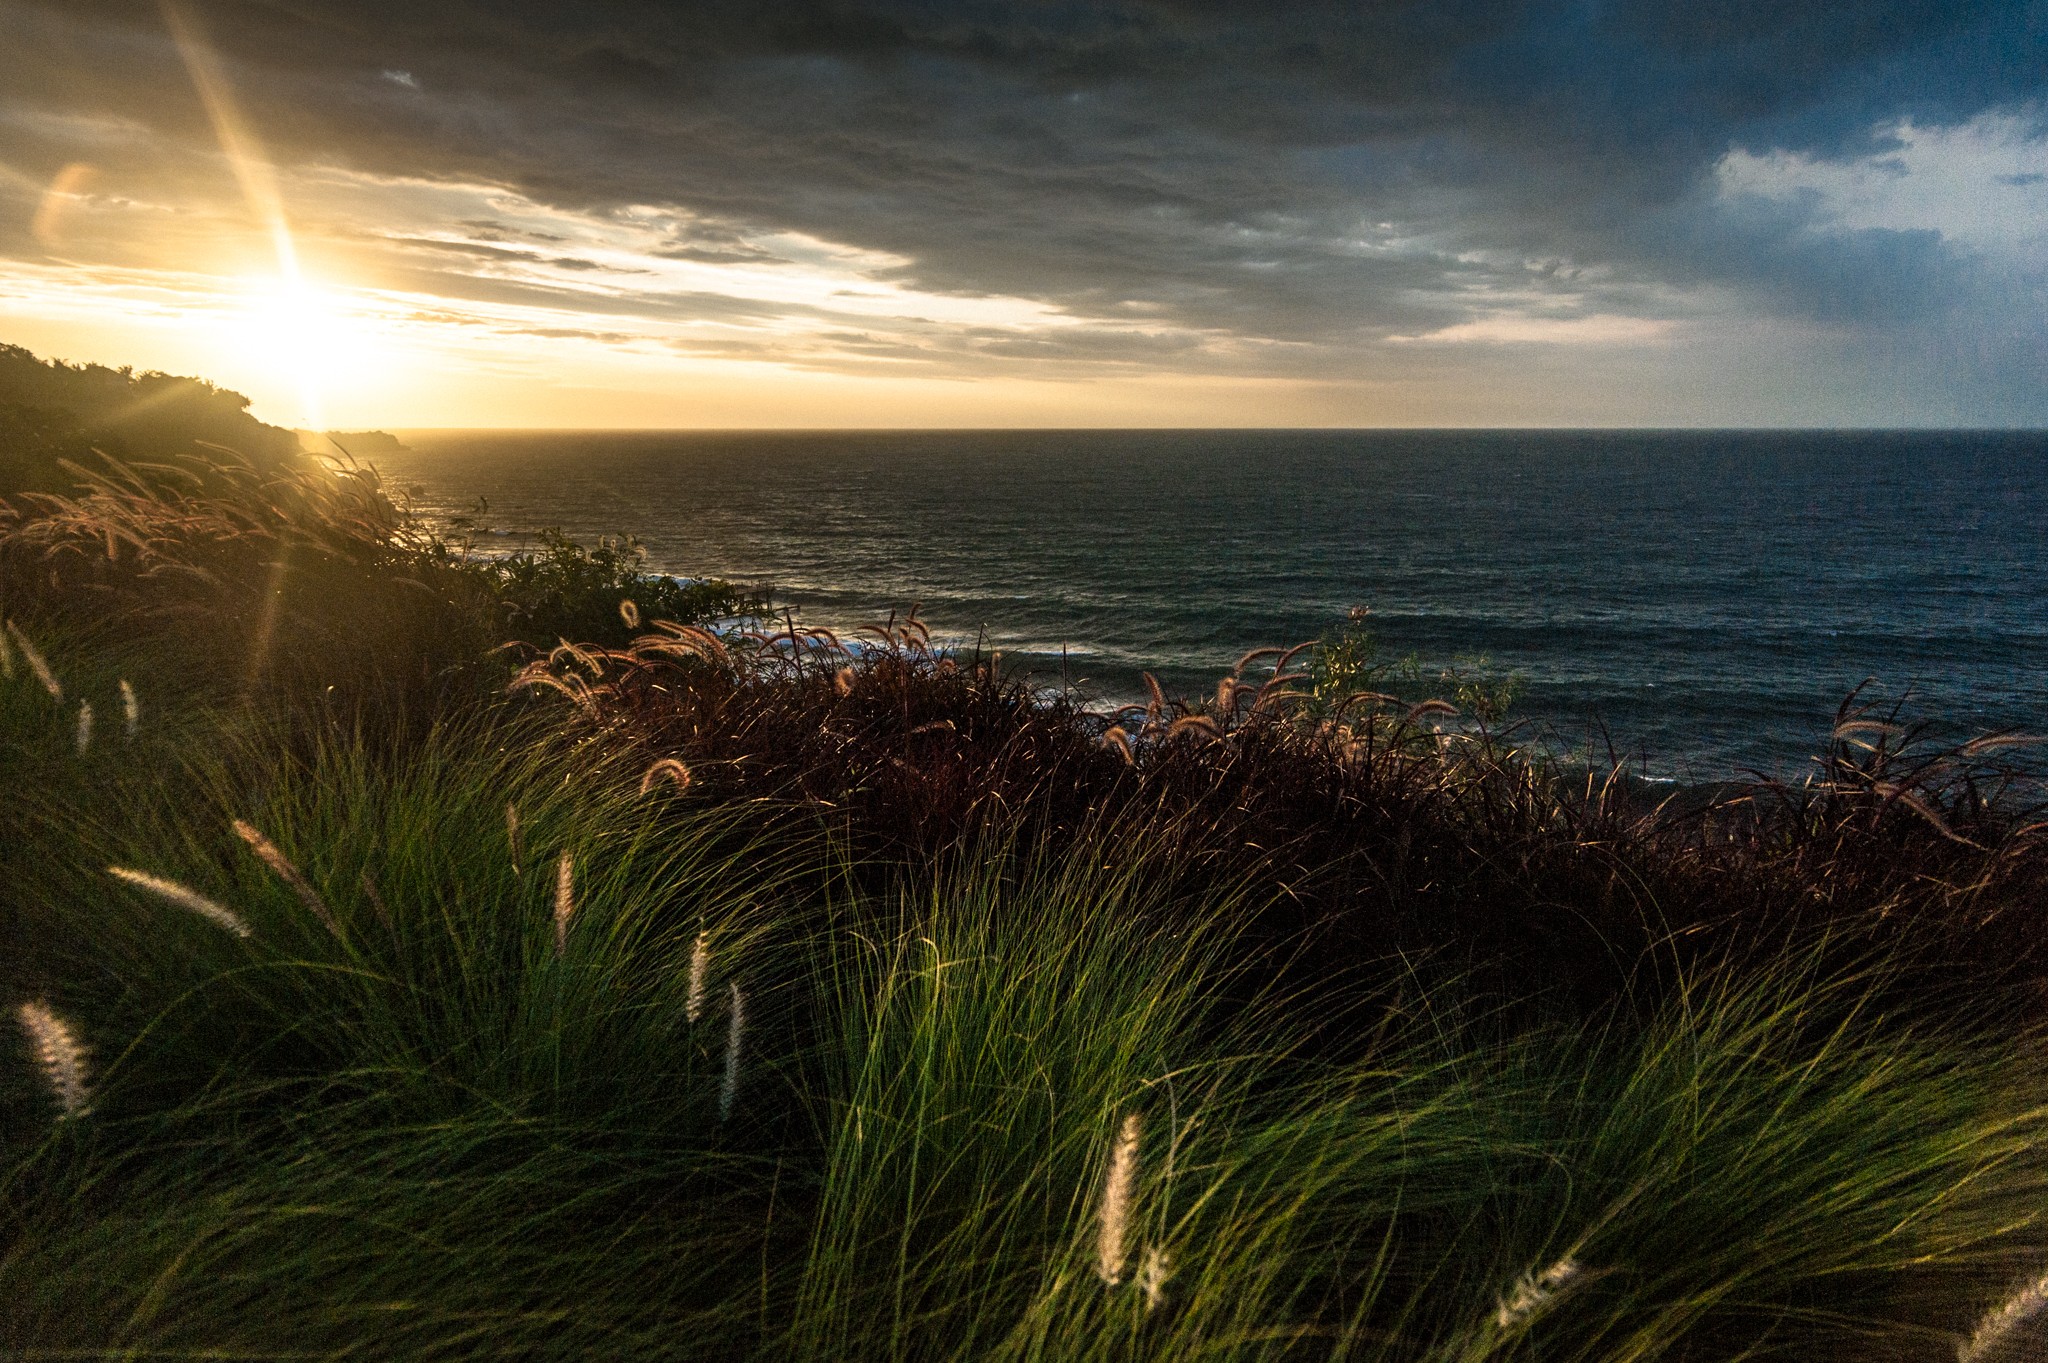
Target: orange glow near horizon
(394,302)
(441,223)
(410,303)
(337,298)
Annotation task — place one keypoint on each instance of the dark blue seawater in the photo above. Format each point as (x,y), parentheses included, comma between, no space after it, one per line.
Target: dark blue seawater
(1705,598)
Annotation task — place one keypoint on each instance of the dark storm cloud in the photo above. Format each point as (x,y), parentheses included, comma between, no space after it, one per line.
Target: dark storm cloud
(1308,172)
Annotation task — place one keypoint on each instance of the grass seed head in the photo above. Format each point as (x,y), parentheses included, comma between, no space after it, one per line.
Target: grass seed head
(565,900)
(83,738)
(735,1038)
(37,664)
(1536,1293)
(131,710)
(60,1055)
(1118,1185)
(1118,740)
(667,769)
(2017,1330)
(1152,1275)
(281,866)
(629,611)
(376,901)
(512,836)
(185,898)
(700,969)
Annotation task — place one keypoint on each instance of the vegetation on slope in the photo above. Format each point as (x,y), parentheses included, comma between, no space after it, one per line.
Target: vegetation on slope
(700,990)
(51,411)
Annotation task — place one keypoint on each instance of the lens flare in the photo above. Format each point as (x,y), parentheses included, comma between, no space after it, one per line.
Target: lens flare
(70,186)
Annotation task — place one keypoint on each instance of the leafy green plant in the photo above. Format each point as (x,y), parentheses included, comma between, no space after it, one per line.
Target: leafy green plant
(603,593)
(1346,661)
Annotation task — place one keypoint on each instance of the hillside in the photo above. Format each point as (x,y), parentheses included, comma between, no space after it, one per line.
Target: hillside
(51,411)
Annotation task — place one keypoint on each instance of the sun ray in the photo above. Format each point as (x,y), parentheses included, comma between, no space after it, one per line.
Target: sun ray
(292,325)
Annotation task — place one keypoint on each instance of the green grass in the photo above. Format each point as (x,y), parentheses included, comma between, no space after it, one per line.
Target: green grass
(433,1136)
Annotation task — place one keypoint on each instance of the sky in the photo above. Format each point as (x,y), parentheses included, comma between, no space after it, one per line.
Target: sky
(951,213)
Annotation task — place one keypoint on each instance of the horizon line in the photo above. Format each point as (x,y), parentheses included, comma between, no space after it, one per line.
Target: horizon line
(1918,429)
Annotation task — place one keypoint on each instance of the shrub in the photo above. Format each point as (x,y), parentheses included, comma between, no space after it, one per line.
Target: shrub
(560,590)
(305,575)
(1385,833)
(1346,661)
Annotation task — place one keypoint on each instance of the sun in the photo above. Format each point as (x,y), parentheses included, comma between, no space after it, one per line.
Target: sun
(311,340)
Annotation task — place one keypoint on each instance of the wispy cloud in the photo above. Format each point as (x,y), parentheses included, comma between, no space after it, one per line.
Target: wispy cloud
(1146,189)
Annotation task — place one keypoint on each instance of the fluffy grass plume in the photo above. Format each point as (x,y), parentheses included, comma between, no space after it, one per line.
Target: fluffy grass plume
(281,866)
(1536,1293)
(60,1054)
(83,737)
(2016,1332)
(512,837)
(184,898)
(37,663)
(667,769)
(700,969)
(565,900)
(131,710)
(1117,1186)
(1152,1276)
(735,1038)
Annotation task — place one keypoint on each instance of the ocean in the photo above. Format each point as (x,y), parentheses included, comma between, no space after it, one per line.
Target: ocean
(1700,600)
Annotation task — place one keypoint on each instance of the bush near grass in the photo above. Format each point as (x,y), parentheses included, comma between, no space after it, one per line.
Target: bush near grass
(1347,661)
(302,576)
(560,591)
(289,578)
(1382,830)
